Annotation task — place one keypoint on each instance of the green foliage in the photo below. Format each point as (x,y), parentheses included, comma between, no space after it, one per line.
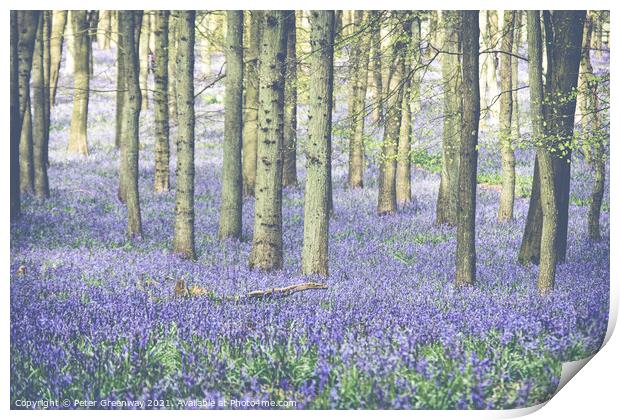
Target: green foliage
(523,183)
(425,160)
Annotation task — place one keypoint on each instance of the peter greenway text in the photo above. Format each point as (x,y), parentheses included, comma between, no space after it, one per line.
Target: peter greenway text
(145,404)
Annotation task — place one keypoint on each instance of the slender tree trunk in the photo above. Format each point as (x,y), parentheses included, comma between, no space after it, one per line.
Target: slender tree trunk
(104,29)
(128,22)
(232,198)
(492,42)
(516,125)
(78,142)
(597,162)
(451,74)
(266,253)
(403,166)
(250,116)
(184,209)
(357,111)
(40,97)
(314,255)
(375,41)
(120,92)
(59,21)
(15,118)
(27,23)
(466,215)
(93,20)
(583,94)
(160,102)
(387,169)
(144,58)
(172,64)
(507,196)
(548,255)
(289,168)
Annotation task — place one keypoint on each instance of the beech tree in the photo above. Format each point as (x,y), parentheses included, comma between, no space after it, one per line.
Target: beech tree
(184,208)
(314,255)
(266,253)
(59,21)
(78,142)
(468,168)
(289,151)
(160,104)
(231,200)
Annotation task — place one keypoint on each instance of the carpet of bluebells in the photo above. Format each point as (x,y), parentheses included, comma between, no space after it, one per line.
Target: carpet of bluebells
(94,316)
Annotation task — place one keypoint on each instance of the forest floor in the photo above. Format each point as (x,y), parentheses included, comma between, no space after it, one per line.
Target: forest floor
(94,316)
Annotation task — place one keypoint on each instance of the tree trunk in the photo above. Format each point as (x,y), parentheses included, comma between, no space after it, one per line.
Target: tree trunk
(359,81)
(27,23)
(120,93)
(516,125)
(232,198)
(492,39)
(78,142)
(160,102)
(387,168)
(451,75)
(411,91)
(507,196)
(184,209)
(144,58)
(172,64)
(16,125)
(314,255)
(289,168)
(548,256)
(468,168)
(375,41)
(104,29)
(40,98)
(128,22)
(250,116)
(59,21)
(266,251)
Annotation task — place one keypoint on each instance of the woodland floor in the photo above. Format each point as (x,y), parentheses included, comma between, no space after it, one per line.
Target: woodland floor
(94,316)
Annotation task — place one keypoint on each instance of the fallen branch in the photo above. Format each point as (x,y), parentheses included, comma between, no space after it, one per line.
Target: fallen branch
(284,291)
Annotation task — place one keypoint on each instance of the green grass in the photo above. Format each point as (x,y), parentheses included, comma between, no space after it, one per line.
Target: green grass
(523,183)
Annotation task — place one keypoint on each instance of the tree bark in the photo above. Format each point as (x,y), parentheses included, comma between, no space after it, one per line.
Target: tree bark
(548,255)
(40,102)
(266,253)
(15,119)
(78,142)
(144,58)
(466,215)
(389,150)
(375,41)
(104,29)
(128,22)
(184,209)
(120,93)
(451,75)
(411,91)
(172,64)
(27,23)
(359,81)
(232,198)
(314,255)
(289,168)
(507,196)
(516,125)
(160,102)
(59,21)
(250,116)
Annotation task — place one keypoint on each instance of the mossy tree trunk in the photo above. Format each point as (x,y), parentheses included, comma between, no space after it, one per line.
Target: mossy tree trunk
(548,254)
(160,102)
(232,197)
(250,115)
(314,255)
(78,142)
(40,106)
(184,208)
(468,168)
(452,106)
(266,253)
(386,203)
(128,22)
(27,23)
(173,41)
(59,21)
(507,196)
(289,155)
(410,96)
(358,81)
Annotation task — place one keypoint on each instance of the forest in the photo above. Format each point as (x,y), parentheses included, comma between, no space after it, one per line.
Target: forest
(320,209)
